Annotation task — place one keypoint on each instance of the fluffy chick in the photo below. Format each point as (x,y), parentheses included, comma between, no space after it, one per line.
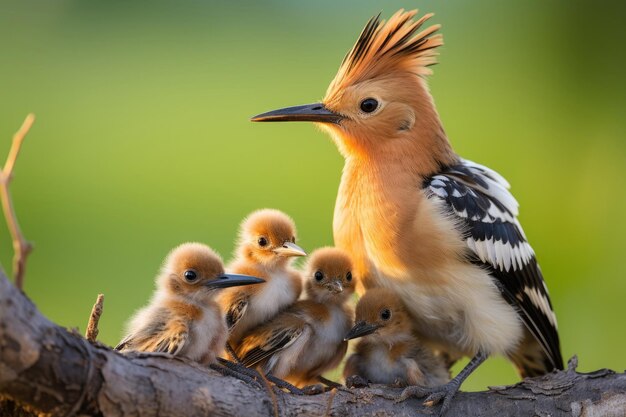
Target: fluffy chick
(307,339)
(183,318)
(266,247)
(389,351)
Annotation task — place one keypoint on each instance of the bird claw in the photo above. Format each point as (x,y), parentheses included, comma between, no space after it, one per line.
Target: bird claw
(433,395)
(315,389)
(252,376)
(235,372)
(434,398)
(329,383)
(413,391)
(282,384)
(356,381)
(238,367)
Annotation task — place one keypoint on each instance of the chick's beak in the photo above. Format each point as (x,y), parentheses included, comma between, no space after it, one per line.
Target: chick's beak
(290,249)
(232,280)
(335,287)
(315,112)
(360,329)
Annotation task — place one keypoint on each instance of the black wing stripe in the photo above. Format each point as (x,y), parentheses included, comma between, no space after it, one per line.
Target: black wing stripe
(122,345)
(259,353)
(236,311)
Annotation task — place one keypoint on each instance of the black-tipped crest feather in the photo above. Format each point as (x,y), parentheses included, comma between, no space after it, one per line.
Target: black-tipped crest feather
(387,46)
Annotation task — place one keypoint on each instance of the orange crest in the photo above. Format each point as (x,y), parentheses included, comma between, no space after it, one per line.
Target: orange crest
(385,47)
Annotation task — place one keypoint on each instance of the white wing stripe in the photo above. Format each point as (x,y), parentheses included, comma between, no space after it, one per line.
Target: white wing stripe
(541,302)
(504,255)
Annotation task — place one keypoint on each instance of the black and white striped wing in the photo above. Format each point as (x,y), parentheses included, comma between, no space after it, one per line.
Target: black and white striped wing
(480,199)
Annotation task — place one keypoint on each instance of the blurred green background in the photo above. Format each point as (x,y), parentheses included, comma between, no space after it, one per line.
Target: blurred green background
(142,139)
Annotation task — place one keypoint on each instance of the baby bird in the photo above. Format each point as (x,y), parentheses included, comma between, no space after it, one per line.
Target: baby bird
(183,318)
(307,339)
(389,352)
(266,247)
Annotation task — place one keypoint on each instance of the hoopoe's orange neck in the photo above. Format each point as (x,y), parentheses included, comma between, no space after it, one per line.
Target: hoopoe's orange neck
(378,202)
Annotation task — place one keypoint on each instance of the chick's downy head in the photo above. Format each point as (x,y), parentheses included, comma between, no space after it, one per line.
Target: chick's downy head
(193,270)
(329,276)
(268,237)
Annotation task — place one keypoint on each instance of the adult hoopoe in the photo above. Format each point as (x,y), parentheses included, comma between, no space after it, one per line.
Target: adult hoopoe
(439,230)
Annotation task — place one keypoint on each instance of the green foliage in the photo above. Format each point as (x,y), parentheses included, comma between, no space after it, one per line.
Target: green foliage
(142,139)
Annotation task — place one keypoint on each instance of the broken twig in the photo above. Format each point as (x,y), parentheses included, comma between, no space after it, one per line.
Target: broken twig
(91,334)
(21,246)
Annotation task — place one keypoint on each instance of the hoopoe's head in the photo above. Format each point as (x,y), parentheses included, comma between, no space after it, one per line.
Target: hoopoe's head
(195,271)
(328,276)
(381,314)
(379,95)
(268,237)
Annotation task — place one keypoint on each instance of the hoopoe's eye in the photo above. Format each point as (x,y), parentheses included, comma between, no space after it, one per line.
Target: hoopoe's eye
(349,276)
(369,105)
(318,276)
(385,314)
(190,275)
(262,241)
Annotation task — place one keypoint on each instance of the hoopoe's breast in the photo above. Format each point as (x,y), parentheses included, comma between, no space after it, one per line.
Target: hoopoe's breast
(404,241)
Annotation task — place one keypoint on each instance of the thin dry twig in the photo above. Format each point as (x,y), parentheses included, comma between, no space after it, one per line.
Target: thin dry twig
(268,388)
(91,334)
(329,407)
(21,246)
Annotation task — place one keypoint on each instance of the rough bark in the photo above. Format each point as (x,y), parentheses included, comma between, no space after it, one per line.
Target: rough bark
(47,369)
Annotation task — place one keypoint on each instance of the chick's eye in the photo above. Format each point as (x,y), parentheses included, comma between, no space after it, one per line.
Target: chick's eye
(262,241)
(385,314)
(349,276)
(318,276)
(369,105)
(190,275)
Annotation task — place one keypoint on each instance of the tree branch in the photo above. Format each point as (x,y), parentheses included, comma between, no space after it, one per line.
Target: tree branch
(21,246)
(46,369)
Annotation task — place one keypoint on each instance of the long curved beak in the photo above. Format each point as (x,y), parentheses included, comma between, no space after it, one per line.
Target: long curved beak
(232,280)
(360,329)
(290,249)
(315,112)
